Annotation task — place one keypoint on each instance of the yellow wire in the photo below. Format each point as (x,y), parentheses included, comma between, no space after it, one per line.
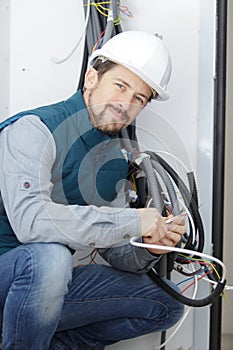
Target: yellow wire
(100,8)
(101,12)
(213,267)
(225,297)
(118,20)
(205,261)
(134,183)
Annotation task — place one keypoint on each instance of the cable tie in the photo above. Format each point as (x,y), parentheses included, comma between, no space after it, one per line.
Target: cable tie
(127,155)
(140,158)
(110,16)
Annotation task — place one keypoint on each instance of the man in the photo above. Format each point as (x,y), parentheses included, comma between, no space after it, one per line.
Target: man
(61,170)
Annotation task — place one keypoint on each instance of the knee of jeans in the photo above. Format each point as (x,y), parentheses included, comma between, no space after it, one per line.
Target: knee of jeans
(175,312)
(57,264)
(49,264)
(176,307)
(172,310)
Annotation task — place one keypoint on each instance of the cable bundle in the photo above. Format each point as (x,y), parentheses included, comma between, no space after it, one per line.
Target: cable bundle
(159,185)
(160,175)
(103,23)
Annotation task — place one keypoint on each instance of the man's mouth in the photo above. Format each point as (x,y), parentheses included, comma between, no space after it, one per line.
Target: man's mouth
(119,114)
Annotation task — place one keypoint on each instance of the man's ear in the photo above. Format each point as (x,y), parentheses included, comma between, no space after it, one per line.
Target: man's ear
(91,78)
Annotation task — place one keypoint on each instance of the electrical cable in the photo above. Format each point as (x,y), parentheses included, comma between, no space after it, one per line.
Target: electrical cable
(169,187)
(191,236)
(59,61)
(166,263)
(175,158)
(188,200)
(153,184)
(174,207)
(112,17)
(98,24)
(185,300)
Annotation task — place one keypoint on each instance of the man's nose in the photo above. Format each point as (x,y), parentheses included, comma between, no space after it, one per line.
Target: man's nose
(126,102)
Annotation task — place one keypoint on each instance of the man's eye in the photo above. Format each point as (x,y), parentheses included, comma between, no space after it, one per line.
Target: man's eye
(140,100)
(121,86)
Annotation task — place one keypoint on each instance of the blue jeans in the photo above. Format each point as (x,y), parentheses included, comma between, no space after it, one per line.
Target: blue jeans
(47,304)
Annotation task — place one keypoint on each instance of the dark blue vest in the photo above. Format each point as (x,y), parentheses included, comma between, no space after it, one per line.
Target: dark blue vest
(89,166)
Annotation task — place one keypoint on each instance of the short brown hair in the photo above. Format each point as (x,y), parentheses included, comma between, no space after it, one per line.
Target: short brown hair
(103,66)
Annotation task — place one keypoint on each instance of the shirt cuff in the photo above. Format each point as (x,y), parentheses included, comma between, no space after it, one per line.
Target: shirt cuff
(146,255)
(128,223)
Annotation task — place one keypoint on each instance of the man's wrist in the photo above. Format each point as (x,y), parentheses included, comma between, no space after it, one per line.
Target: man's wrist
(148,217)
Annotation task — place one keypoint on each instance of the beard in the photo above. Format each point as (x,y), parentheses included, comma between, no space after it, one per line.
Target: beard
(103,119)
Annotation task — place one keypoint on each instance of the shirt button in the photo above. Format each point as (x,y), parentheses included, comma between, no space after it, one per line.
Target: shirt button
(26,184)
(126,236)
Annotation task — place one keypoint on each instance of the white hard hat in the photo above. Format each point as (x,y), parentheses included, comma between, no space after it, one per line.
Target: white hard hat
(142,53)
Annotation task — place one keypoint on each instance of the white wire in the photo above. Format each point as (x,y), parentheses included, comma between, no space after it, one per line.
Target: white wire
(180,250)
(149,202)
(190,217)
(183,318)
(183,205)
(185,251)
(185,209)
(176,158)
(57,60)
(227,287)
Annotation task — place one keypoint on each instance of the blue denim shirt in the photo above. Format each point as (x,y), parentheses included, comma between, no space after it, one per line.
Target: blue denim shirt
(25,184)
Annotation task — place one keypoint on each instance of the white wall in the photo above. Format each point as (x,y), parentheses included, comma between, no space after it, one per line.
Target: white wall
(4,57)
(41,31)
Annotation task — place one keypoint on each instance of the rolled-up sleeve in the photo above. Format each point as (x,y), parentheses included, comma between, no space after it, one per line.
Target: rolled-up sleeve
(27,155)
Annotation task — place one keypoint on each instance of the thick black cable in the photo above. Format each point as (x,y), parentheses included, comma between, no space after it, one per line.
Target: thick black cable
(187,197)
(194,194)
(211,298)
(188,274)
(83,67)
(193,186)
(172,256)
(191,202)
(189,243)
(96,25)
(163,339)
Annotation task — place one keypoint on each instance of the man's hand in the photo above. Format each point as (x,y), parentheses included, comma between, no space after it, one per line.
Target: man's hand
(155,230)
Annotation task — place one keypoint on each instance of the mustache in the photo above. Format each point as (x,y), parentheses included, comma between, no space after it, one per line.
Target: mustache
(119,110)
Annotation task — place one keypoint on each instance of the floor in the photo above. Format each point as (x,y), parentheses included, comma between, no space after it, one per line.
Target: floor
(227,342)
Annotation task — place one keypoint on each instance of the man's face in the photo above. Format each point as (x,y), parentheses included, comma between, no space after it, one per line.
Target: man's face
(115,99)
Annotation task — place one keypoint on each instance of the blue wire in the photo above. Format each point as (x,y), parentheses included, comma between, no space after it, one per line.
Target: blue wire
(192,277)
